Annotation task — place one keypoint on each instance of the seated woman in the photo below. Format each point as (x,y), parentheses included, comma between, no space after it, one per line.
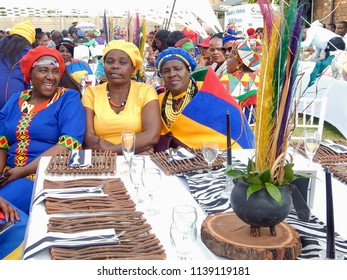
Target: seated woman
(187,116)
(121,103)
(11,240)
(78,69)
(37,122)
(243,65)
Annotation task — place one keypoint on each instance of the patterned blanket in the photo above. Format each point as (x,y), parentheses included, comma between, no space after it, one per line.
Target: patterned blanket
(312,233)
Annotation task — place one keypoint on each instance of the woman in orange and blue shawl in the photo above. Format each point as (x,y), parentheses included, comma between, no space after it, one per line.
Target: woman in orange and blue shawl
(192,113)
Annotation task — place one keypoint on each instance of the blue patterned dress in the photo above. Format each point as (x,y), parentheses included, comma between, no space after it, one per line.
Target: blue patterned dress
(61,120)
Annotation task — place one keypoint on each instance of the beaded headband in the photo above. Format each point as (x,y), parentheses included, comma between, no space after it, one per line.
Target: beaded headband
(46,62)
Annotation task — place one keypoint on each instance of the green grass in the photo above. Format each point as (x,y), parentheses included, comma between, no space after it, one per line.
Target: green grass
(329,131)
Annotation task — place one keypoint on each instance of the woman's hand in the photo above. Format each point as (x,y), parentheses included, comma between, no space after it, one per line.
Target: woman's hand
(11,213)
(11,175)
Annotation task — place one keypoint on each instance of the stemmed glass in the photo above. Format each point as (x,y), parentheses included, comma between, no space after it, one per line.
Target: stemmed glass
(137,164)
(183,230)
(128,146)
(210,152)
(312,139)
(151,178)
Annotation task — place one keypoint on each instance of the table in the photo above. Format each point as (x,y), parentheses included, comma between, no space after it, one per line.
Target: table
(336,111)
(175,190)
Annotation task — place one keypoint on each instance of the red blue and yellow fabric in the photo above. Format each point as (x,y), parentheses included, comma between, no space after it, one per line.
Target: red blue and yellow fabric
(204,118)
(26,136)
(11,241)
(79,69)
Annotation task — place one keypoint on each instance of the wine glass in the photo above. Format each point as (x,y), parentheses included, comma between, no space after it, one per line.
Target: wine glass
(137,164)
(312,139)
(151,178)
(210,152)
(128,146)
(184,216)
(181,240)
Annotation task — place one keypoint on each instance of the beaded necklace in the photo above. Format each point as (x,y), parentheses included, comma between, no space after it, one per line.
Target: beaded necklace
(173,107)
(111,102)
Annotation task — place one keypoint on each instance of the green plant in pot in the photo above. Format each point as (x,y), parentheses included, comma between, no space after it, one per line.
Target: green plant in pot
(269,173)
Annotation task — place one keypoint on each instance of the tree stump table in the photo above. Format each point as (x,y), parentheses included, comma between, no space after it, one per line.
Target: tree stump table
(228,236)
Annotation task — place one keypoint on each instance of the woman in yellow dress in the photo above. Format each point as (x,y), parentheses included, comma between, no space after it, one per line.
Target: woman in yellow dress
(121,103)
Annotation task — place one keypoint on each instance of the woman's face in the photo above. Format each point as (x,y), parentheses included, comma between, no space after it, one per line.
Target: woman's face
(65,53)
(232,64)
(216,50)
(175,76)
(45,77)
(118,67)
(43,41)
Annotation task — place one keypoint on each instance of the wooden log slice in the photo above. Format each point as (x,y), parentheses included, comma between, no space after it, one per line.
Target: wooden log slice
(228,236)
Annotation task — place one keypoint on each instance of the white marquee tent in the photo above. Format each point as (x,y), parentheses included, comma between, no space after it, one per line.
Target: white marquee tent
(185,12)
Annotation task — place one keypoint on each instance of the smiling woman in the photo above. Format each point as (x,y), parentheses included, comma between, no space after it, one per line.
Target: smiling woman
(37,122)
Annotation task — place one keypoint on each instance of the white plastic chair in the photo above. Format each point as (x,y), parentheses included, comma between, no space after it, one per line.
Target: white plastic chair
(97,51)
(82,52)
(307,109)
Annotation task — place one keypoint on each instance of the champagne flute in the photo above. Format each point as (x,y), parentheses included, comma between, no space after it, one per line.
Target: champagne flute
(137,164)
(128,146)
(181,240)
(151,178)
(312,139)
(210,152)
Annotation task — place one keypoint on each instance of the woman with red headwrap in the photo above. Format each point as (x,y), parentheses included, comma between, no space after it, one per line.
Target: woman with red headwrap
(37,122)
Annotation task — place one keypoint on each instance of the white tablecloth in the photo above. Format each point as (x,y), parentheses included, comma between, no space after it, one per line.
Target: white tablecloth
(174,190)
(336,90)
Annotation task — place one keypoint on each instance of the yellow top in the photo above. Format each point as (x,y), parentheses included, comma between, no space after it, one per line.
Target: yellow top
(109,125)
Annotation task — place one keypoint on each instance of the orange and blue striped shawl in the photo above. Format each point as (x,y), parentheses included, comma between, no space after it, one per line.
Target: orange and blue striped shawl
(204,118)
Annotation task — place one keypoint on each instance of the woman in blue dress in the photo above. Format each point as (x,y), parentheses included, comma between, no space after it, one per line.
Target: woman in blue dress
(37,122)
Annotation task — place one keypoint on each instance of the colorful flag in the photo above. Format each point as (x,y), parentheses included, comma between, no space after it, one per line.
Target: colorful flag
(204,118)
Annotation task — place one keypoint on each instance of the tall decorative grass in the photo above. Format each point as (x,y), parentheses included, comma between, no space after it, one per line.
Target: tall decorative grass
(280,51)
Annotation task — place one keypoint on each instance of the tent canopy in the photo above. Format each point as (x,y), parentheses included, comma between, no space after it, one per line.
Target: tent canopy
(185,12)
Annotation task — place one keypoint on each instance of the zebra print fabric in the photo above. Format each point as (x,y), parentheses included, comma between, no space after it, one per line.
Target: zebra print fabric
(312,233)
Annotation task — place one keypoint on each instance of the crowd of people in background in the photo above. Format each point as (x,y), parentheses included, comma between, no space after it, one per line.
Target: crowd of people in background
(41,89)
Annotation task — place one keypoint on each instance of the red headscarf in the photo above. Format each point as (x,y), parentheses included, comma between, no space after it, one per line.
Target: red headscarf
(33,55)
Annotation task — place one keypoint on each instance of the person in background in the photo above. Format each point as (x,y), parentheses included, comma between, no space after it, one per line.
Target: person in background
(243,63)
(41,38)
(78,69)
(174,37)
(121,103)
(55,38)
(12,48)
(217,57)
(80,39)
(187,45)
(11,241)
(65,33)
(91,37)
(204,58)
(341,29)
(321,39)
(72,28)
(98,38)
(49,119)
(160,41)
(331,26)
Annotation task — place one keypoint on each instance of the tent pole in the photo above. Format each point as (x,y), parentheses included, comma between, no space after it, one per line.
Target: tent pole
(168,23)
